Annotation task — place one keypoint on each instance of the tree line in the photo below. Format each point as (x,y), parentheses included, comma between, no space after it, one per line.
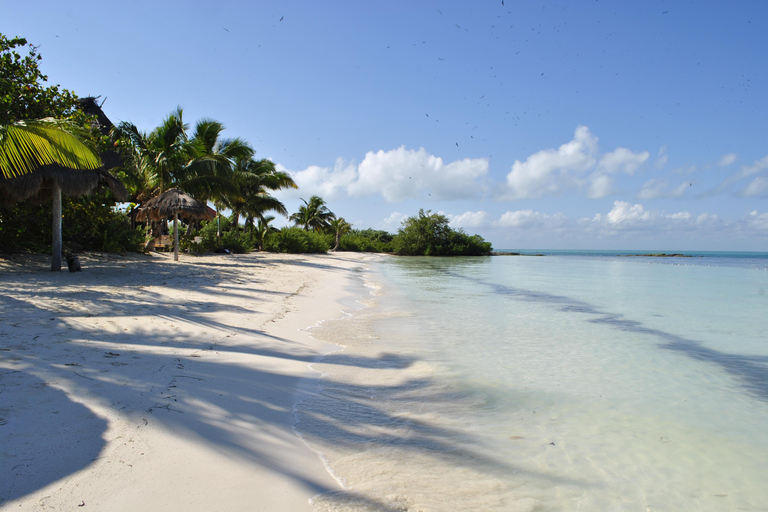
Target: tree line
(46,127)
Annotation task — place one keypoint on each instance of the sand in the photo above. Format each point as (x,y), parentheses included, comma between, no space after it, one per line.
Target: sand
(147,384)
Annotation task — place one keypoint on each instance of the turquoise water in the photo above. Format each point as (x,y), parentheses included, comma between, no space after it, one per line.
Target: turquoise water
(564,382)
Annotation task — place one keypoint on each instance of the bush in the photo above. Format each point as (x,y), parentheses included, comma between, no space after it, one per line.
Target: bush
(237,242)
(296,240)
(355,242)
(89,223)
(428,234)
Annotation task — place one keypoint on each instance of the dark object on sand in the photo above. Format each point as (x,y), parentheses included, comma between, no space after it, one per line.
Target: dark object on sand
(73,262)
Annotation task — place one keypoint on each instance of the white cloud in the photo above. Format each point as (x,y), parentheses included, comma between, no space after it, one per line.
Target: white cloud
(661,157)
(393,222)
(621,160)
(469,219)
(652,189)
(403,173)
(397,175)
(757,221)
(756,167)
(727,160)
(330,184)
(600,185)
(754,188)
(758,187)
(528,219)
(681,189)
(550,170)
(623,212)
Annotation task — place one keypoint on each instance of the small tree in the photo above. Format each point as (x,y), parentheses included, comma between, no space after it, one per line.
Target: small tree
(339,227)
(429,234)
(314,215)
(263,229)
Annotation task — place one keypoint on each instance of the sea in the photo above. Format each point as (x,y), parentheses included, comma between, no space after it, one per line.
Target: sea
(546,381)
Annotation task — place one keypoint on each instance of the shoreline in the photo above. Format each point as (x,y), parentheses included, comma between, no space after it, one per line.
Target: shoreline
(143,382)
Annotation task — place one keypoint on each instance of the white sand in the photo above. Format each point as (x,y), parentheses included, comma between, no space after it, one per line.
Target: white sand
(147,384)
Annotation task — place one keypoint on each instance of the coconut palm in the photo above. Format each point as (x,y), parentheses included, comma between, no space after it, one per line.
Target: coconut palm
(209,175)
(339,227)
(263,229)
(28,145)
(256,179)
(314,215)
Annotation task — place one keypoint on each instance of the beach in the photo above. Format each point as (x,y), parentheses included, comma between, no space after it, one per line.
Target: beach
(142,383)
(364,383)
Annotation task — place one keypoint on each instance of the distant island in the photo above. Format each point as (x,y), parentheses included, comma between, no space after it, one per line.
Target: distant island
(660,255)
(497,253)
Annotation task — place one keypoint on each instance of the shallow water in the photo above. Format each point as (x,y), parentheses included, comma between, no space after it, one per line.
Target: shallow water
(552,383)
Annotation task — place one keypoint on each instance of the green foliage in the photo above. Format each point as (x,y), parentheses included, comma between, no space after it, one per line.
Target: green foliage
(232,240)
(356,242)
(429,234)
(375,235)
(91,224)
(238,242)
(23,95)
(314,215)
(296,240)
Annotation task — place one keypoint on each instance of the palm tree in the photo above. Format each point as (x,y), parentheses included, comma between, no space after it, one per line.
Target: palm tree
(340,227)
(200,166)
(263,229)
(28,145)
(209,175)
(313,215)
(256,179)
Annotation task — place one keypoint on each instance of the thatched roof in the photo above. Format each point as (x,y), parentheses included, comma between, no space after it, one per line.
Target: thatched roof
(37,186)
(174,201)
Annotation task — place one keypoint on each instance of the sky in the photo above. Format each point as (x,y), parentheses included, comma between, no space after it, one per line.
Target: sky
(637,125)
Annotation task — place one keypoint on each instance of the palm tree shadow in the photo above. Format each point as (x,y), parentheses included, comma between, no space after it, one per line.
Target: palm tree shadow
(50,436)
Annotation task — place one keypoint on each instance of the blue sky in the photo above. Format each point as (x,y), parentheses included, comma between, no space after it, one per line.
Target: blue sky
(590,124)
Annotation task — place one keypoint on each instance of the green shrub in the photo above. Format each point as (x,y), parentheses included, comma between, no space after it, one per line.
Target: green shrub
(356,242)
(428,234)
(88,223)
(237,242)
(296,240)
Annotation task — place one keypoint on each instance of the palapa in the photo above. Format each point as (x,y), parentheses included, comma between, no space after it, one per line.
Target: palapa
(38,185)
(53,181)
(175,203)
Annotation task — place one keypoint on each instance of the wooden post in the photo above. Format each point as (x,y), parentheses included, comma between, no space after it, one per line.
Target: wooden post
(176,236)
(56,225)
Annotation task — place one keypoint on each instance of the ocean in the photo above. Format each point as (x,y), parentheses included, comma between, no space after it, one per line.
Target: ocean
(568,381)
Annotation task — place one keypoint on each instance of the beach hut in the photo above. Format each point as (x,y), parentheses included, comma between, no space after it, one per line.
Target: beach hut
(173,203)
(53,181)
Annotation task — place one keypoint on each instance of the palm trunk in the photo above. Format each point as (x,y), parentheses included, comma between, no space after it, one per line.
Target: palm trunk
(56,225)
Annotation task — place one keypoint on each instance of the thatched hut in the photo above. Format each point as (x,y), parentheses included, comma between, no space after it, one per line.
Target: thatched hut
(173,203)
(51,181)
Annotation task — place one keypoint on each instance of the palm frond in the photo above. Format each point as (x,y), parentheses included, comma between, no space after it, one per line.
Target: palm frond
(28,145)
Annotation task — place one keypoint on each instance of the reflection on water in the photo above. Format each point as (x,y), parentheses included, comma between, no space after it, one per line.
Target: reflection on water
(546,384)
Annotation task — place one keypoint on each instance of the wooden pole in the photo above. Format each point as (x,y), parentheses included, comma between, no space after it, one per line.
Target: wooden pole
(56,225)
(176,236)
